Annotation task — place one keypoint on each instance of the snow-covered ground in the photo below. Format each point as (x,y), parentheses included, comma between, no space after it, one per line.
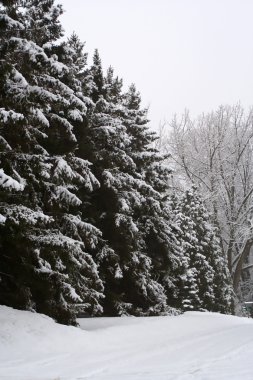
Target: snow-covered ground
(192,346)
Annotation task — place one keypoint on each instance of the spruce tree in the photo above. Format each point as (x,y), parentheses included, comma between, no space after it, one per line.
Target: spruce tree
(87,220)
(46,247)
(154,216)
(129,206)
(205,282)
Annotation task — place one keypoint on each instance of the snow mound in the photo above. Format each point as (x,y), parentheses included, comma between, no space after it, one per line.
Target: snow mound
(199,346)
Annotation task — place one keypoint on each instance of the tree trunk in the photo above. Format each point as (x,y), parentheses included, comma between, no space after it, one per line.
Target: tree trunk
(239,264)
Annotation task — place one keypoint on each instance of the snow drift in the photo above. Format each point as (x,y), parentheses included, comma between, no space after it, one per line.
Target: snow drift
(195,345)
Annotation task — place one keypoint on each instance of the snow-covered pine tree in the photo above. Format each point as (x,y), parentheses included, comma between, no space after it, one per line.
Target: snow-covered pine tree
(154,217)
(127,270)
(81,81)
(98,82)
(55,115)
(46,263)
(205,285)
(112,86)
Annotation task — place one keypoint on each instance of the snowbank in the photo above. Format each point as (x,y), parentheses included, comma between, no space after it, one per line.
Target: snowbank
(201,346)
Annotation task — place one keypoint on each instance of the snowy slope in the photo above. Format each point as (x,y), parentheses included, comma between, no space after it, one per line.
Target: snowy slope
(192,346)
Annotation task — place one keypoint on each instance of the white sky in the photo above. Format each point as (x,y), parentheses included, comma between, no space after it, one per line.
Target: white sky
(194,54)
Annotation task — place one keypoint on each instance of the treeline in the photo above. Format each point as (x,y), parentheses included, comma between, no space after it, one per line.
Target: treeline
(88,221)
(215,152)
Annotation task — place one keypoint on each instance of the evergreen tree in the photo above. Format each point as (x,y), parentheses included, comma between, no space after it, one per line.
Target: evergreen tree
(51,270)
(206,282)
(98,82)
(86,216)
(154,217)
(128,203)
(113,87)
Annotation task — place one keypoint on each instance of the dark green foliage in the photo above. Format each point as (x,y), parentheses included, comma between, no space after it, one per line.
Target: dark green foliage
(41,179)
(87,222)
(206,284)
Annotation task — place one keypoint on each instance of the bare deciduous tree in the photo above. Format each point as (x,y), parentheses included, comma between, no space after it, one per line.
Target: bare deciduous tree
(215,151)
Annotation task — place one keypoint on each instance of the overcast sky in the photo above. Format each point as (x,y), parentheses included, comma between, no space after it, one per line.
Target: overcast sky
(194,54)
